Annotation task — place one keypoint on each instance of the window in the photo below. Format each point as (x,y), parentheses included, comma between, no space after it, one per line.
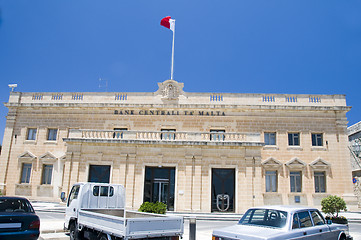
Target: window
(271,181)
(168,134)
(264,217)
(270,138)
(15,205)
(317,139)
(31,134)
(295,181)
(320,182)
(99,173)
(217,135)
(25,173)
(47,174)
(305,219)
(105,191)
(119,132)
(73,194)
(317,218)
(294,139)
(52,133)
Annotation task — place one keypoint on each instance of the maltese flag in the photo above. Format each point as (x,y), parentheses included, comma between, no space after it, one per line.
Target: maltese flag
(168,23)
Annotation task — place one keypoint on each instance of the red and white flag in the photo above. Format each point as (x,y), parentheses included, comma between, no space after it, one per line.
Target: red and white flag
(168,23)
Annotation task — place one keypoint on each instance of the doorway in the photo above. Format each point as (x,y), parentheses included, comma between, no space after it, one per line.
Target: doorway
(159,186)
(223,189)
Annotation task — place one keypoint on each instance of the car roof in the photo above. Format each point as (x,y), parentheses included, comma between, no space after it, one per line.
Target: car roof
(286,208)
(13,198)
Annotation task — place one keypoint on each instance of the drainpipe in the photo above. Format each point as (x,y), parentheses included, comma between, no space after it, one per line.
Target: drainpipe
(253,176)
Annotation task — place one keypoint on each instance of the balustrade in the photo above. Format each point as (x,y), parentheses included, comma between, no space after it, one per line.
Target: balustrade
(162,136)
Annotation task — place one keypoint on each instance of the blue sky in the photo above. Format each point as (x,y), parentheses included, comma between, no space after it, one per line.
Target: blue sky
(243,46)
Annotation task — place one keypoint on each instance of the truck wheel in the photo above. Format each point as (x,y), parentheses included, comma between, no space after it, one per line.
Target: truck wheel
(73,232)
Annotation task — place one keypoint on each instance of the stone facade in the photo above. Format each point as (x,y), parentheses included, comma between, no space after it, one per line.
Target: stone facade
(201,152)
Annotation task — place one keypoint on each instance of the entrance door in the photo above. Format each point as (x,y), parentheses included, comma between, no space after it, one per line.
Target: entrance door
(159,186)
(223,190)
(160,190)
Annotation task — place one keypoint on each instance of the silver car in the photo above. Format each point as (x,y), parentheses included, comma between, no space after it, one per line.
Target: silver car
(282,222)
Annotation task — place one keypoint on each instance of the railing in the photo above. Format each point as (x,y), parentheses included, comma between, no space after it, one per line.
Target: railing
(157,135)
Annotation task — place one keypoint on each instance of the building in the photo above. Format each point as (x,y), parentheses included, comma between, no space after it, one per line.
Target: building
(197,152)
(354,138)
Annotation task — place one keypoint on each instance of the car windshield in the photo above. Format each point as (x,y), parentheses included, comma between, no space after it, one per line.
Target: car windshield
(15,205)
(264,217)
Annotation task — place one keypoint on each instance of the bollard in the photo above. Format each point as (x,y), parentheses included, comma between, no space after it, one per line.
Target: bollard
(192,228)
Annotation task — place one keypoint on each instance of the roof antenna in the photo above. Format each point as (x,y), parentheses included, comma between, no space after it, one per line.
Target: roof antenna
(12,86)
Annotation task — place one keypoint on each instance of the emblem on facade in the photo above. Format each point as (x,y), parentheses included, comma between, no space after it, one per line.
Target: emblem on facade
(170,90)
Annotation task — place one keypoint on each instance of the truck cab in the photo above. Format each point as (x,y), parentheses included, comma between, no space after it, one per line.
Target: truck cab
(92,196)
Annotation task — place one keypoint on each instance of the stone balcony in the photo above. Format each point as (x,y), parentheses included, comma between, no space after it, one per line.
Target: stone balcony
(161,137)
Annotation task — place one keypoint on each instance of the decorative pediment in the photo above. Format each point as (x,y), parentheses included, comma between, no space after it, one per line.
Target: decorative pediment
(27,155)
(271,163)
(296,164)
(170,90)
(48,156)
(320,164)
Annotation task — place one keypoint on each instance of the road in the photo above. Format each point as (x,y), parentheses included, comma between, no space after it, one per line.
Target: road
(204,227)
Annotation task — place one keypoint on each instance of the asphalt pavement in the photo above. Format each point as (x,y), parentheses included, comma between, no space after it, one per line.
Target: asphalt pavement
(52,222)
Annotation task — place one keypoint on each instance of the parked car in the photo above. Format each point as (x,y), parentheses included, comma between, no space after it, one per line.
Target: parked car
(18,219)
(282,222)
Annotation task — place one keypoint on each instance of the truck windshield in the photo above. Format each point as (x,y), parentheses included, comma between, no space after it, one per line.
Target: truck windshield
(264,217)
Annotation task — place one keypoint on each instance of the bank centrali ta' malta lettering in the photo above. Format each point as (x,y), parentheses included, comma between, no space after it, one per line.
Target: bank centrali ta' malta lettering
(166,112)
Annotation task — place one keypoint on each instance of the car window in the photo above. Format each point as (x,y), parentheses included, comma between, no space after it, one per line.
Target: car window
(295,222)
(264,217)
(305,219)
(15,205)
(317,218)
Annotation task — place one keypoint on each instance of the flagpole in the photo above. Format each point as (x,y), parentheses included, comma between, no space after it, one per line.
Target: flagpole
(171,72)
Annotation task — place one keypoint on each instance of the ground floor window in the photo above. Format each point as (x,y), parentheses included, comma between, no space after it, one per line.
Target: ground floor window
(47,174)
(25,173)
(223,189)
(271,181)
(159,186)
(99,173)
(320,182)
(296,181)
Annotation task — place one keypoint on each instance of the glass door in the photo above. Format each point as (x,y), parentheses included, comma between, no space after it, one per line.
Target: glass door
(223,188)
(160,190)
(159,185)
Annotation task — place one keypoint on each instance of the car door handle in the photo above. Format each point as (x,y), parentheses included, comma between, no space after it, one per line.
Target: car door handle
(320,230)
(73,209)
(304,233)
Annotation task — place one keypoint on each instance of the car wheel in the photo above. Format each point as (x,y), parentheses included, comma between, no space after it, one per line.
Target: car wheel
(73,232)
(342,237)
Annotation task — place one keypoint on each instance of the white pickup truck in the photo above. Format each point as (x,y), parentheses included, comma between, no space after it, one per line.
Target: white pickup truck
(97,211)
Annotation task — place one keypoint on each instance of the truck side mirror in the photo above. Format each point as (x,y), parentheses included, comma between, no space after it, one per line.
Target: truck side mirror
(62,196)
